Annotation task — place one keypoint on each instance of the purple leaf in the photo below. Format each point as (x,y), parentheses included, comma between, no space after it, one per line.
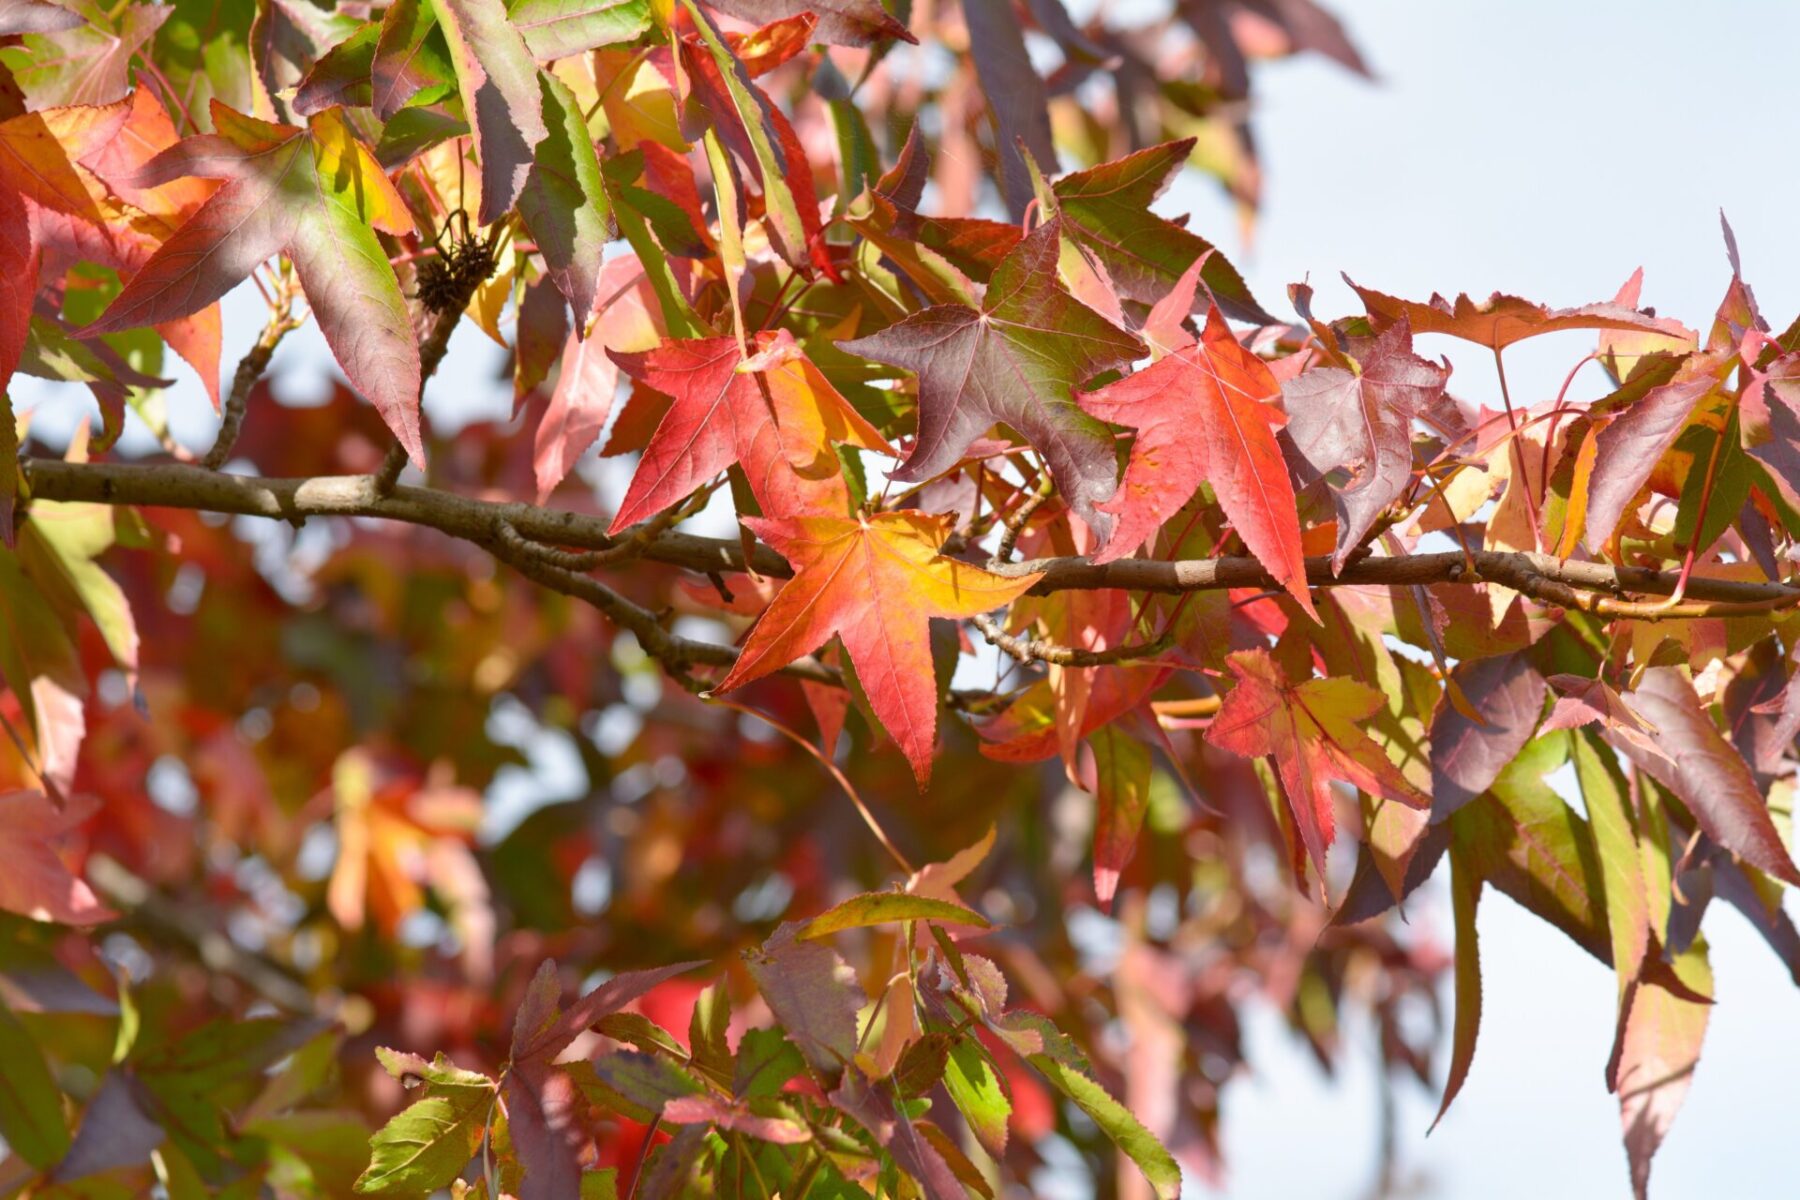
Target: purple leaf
(1363,423)
(1016,362)
(813,993)
(1466,757)
(1703,770)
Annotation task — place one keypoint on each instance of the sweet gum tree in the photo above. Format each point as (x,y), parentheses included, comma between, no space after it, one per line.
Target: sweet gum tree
(1063,576)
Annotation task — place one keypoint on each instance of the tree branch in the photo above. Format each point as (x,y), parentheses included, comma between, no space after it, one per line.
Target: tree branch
(1596,587)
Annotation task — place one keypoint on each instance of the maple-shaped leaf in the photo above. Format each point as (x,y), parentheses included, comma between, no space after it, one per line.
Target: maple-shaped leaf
(1106,211)
(36,882)
(310,193)
(774,412)
(1501,320)
(1205,411)
(89,63)
(873,581)
(1363,423)
(1015,361)
(1313,730)
(132,237)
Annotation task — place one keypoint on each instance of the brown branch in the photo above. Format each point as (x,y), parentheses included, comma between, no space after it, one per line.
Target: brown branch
(1028,650)
(676,653)
(1597,587)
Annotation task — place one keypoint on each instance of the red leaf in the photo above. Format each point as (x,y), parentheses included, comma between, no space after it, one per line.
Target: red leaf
(313,193)
(1312,730)
(775,413)
(36,882)
(1205,412)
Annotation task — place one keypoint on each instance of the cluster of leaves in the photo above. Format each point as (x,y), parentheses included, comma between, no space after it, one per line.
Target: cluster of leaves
(1260,560)
(828,1101)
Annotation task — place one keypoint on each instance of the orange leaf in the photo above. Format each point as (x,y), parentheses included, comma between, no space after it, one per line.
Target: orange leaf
(873,582)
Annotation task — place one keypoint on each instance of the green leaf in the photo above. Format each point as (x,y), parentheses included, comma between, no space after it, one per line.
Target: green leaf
(887,908)
(59,546)
(411,58)
(413,1071)
(976,1089)
(633,1084)
(559,28)
(31,1111)
(706,1033)
(1465,896)
(678,315)
(1116,1121)
(600,1185)
(1610,816)
(1106,211)
(429,1144)
(766,1060)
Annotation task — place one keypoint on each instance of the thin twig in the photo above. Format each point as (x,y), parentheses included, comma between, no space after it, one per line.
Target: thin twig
(431,355)
(1029,650)
(250,368)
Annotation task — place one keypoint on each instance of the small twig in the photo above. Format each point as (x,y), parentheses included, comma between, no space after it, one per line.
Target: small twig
(431,356)
(250,368)
(831,767)
(1028,650)
(1014,522)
